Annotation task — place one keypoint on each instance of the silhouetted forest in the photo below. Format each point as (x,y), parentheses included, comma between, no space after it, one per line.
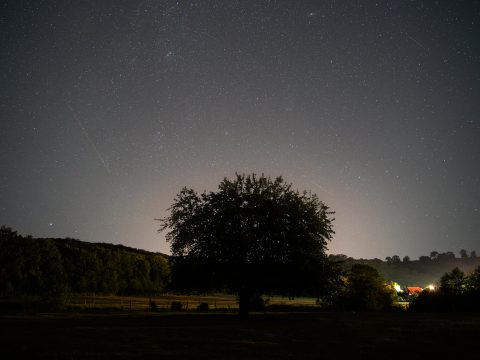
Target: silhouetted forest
(426,270)
(53,267)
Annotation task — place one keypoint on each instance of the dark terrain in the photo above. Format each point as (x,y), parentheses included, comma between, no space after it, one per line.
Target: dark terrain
(224,336)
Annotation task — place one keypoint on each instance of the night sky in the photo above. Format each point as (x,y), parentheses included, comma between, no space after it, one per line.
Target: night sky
(108,108)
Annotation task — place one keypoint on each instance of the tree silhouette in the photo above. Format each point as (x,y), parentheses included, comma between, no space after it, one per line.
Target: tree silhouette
(473,281)
(365,289)
(253,235)
(453,282)
(463,254)
(446,256)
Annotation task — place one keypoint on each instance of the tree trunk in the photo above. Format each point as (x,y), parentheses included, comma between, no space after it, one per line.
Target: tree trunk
(243,302)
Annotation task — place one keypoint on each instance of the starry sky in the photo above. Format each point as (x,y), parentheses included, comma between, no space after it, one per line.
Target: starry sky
(108,108)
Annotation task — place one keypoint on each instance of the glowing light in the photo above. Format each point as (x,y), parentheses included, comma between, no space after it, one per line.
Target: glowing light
(431,287)
(397,288)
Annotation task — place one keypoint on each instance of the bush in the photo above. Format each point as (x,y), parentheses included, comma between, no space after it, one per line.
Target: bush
(56,299)
(153,305)
(364,289)
(203,307)
(176,306)
(256,303)
(439,301)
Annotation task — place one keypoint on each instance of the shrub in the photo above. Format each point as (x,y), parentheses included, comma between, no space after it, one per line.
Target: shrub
(365,290)
(203,307)
(152,305)
(256,302)
(176,306)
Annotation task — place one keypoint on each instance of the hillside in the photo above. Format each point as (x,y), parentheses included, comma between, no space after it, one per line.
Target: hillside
(420,272)
(42,266)
(45,266)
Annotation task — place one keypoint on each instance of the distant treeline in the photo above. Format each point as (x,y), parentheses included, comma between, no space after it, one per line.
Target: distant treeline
(406,272)
(30,266)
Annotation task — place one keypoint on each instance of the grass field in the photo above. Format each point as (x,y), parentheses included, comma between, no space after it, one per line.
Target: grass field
(167,335)
(215,302)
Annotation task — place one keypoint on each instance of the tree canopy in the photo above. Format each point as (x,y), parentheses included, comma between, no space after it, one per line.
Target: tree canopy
(253,235)
(453,281)
(365,289)
(52,268)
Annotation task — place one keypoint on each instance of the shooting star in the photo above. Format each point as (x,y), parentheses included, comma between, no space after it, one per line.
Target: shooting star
(87,136)
(417,42)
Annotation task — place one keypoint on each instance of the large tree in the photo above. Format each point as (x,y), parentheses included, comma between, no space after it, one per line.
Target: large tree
(254,235)
(365,289)
(453,282)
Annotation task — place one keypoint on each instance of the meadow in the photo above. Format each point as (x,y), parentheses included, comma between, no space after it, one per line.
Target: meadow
(222,335)
(219,302)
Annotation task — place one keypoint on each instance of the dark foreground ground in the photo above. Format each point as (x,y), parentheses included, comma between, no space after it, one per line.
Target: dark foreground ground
(223,336)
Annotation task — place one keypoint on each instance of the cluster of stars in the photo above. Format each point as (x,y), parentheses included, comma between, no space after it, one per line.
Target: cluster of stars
(111,108)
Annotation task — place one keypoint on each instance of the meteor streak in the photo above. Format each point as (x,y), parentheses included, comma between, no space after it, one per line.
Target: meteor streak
(87,136)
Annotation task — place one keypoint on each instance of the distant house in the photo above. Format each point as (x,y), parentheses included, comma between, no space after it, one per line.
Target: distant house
(414,290)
